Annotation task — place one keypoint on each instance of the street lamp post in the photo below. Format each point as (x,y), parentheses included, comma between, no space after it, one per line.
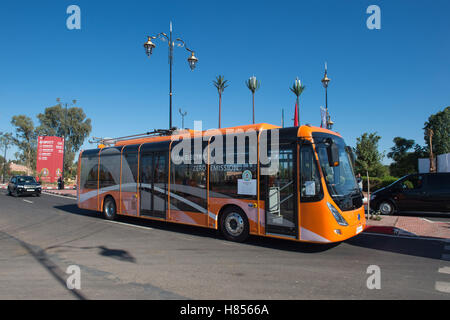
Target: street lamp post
(325,82)
(183,114)
(192,60)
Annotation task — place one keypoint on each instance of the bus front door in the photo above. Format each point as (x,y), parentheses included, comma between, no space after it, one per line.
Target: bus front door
(146,184)
(153,173)
(281,194)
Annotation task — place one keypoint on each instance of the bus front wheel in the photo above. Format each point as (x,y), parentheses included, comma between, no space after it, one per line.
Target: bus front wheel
(234,224)
(109,209)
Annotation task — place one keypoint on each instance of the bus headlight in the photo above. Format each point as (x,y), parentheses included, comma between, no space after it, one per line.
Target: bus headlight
(339,219)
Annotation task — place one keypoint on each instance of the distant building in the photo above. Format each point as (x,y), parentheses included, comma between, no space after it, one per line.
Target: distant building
(13,167)
(442,164)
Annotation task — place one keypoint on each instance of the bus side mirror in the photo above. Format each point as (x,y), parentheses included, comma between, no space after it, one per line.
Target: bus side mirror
(333,153)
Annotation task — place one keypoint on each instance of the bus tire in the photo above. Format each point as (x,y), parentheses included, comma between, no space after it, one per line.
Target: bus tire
(109,208)
(234,224)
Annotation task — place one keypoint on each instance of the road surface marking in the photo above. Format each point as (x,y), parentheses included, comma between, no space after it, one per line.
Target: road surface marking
(442,286)
(184,238)
(444,270)
(28,201)
(129,225)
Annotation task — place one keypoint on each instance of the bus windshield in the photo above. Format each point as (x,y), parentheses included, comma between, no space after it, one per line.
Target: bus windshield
(340,180)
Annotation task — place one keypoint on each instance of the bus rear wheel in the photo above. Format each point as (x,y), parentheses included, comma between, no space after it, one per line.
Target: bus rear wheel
(234,224)
(109,209)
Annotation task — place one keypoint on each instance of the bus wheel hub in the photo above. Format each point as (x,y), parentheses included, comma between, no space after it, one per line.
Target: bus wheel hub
(234,224)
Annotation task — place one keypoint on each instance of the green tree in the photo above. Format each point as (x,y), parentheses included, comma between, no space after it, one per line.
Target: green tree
(440,124)
(3,168)
(253,85)
(25,140)
(368,158)
(74,126)
(405,160)
(5,142)
(220,83)
(298,89)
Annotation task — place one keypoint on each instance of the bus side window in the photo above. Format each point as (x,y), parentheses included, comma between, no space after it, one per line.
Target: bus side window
(109,169)
(89,172)
(310,186)
(92,178)
(224,177)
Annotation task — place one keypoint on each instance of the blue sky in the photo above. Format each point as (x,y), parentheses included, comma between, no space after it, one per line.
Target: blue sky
(389,80)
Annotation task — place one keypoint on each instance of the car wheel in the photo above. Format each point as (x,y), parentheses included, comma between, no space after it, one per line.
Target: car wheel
(109,209)
(386,208)
(234,224)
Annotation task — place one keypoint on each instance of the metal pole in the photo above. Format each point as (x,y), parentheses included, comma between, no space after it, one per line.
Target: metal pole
(253,99)
(326,107)
(64,148)
(170,63)
(4,164)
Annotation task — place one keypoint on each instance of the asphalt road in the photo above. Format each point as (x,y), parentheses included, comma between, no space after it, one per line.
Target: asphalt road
(133,259)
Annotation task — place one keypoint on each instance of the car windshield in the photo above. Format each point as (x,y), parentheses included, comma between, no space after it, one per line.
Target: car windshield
(26,180)
(340,180)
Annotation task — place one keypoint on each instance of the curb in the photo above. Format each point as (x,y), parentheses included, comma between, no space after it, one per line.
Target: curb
(59,194)
(382,229)
(399,233)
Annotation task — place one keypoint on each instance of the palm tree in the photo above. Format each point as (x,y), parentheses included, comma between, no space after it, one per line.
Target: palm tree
(220,84)
(253,85)
(297,89)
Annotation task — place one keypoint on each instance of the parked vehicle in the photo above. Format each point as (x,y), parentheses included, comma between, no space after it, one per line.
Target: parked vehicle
(24,185)
(427,192)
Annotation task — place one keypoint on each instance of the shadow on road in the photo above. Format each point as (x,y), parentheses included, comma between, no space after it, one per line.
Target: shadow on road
(117,254)
(272,243)
(431,249)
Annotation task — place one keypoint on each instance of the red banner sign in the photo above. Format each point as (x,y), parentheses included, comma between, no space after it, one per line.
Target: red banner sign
(50,156)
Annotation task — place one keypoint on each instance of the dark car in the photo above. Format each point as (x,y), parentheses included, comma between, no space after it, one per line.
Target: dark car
(427,192)
(24,185)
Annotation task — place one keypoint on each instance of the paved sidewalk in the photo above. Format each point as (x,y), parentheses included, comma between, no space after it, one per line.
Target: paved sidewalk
(409,226)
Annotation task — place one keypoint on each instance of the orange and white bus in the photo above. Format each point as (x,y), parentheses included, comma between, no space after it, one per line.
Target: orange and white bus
(311,195)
